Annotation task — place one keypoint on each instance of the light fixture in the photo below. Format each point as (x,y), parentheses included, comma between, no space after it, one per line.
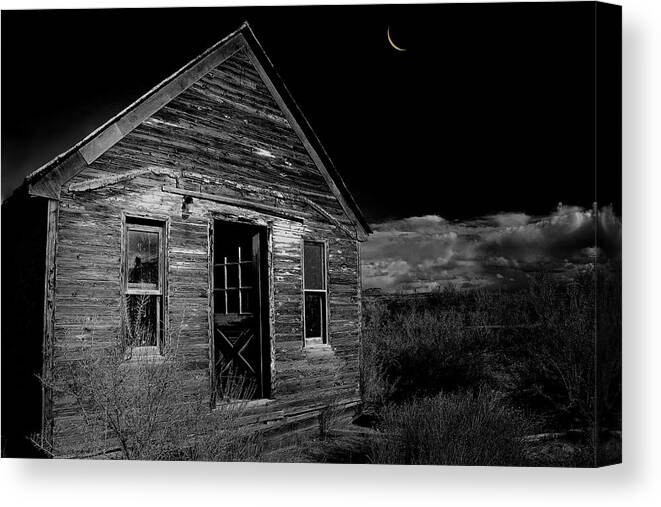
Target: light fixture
(185,206)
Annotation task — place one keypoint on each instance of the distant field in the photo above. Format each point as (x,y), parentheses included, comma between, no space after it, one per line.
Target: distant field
(496,377)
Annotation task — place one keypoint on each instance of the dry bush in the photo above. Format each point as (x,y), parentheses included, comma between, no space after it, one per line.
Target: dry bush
(452,429)
(541,353)
(223,437)
(552,348)
(556,375)
(332,417)
(609,350)
(148,407)
(574,352)
(136,406)
(572,371)
(420,352)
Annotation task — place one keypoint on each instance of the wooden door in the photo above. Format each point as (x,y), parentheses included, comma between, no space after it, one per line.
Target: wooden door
(241,349)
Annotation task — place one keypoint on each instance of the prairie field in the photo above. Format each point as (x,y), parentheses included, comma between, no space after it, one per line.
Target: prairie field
(528,377)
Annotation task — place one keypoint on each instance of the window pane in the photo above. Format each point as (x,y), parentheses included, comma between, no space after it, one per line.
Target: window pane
(313,260)
(246,301)
(233,301)
(143,316)
(247,275)
(219,302)
(244,244)
(315,309)
(233,275)
(226,248)
(143,257)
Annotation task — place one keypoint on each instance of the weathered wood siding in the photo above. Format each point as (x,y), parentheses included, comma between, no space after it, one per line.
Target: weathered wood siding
(226,136)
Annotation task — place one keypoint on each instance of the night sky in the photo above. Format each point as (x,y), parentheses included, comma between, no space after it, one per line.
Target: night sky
(466,143)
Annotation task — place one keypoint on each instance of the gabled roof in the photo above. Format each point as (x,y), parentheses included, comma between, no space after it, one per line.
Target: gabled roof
(47,181)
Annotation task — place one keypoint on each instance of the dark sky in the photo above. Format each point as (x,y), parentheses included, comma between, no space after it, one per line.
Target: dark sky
(490,109)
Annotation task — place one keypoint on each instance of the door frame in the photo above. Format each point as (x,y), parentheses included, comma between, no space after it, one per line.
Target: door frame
(265,230)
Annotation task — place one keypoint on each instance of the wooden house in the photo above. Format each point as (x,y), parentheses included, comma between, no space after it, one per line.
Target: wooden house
(210,202)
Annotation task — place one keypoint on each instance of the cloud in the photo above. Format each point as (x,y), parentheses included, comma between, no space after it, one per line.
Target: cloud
(565,233)
(510,219)
(385,274)
(421,253)
(429,223)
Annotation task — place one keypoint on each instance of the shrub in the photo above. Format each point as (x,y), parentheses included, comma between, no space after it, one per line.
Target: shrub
(564,364)
(452,429)
(541,351)
(420,353)
(552,348)
(147,407)
(221,435)
(131,405)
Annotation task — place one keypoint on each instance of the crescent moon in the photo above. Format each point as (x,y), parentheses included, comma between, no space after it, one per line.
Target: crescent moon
(392,43)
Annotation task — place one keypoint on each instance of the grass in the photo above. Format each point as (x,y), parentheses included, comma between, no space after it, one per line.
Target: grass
(421,352)
(454,378)
(143,409)
(452,367)
(452,429)
(148,407)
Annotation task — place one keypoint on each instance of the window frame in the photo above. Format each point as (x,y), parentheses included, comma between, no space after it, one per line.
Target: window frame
(240,266)
(130,289)
(161,225)
(324,338)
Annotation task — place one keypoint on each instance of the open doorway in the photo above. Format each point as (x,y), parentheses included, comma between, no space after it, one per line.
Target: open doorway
(240,307)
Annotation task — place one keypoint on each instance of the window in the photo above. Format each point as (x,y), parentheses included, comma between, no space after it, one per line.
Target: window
(143,259)
(234,276)
(314,289)
(144,284)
